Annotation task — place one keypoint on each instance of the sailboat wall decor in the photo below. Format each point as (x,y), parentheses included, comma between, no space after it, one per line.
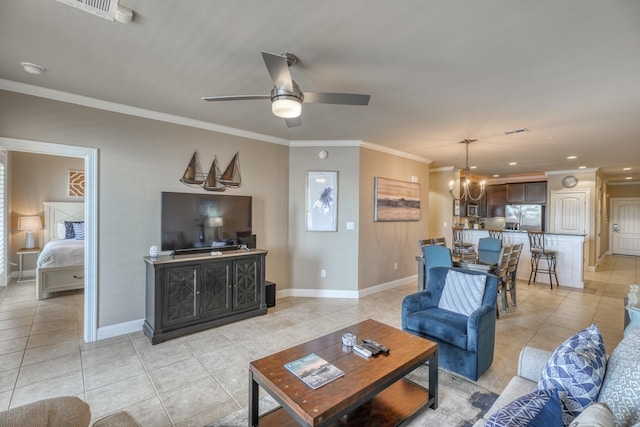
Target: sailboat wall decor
(193,174)
(231,175)
(214,180)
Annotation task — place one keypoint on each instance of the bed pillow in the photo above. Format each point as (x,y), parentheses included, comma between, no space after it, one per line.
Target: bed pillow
(61,231)
(576,369)
(462,293)
(540,408)
(68,227)
(78,230)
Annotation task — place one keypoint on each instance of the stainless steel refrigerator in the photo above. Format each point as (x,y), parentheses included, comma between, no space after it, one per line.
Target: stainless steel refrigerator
(528,217)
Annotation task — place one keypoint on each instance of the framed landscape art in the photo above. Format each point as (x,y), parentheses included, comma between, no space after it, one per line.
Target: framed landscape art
(396,200)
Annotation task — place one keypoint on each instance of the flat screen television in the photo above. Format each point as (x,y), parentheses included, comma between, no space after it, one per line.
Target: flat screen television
(194,222)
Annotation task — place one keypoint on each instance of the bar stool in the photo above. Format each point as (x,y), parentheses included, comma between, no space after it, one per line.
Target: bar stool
(538,252)
(496,233)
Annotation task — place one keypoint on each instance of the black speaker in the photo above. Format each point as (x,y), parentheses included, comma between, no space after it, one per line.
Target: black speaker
(270,295)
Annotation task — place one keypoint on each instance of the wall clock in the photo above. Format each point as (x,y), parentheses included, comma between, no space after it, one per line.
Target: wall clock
(569,181)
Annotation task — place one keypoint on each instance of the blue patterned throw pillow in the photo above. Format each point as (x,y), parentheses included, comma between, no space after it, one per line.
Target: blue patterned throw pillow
(540,408)
(576,369)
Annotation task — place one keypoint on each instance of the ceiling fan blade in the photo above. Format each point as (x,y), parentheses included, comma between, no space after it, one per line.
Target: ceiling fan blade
(234,97)
(294,122)
(278,70)
(336,98)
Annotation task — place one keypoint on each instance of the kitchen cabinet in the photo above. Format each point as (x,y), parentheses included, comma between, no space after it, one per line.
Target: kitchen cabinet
(496,199)
(527,193)
(536,192)
(189,293)
(516,193)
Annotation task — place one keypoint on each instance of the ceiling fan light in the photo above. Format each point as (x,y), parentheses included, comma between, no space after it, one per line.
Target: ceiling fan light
(287,107)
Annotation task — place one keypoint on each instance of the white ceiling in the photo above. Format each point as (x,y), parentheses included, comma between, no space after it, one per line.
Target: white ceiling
(437,71)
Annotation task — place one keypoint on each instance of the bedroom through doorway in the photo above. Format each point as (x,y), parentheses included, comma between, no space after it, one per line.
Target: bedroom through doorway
(87,158)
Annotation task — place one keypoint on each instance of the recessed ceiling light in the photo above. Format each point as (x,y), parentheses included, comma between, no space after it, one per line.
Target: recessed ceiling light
(496,176)
(32,68)
(473,167)
(513,163)
(629,177)
(582,167)
(626,169)
(572,157)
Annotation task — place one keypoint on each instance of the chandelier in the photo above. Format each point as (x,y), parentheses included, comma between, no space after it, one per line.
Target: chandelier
(466,192)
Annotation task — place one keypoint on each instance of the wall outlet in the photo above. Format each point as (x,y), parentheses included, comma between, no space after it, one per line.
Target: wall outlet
(323,273)
(395,265)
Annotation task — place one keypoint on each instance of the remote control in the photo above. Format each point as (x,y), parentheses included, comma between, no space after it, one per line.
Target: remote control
(361,350)
(382,348)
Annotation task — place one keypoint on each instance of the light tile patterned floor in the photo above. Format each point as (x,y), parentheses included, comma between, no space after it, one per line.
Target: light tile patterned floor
(194,380)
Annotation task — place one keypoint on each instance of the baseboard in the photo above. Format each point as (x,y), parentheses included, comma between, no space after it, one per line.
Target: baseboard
(329,293)
(120,329)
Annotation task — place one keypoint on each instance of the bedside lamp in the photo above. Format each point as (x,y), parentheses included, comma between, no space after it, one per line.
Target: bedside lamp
(29,224)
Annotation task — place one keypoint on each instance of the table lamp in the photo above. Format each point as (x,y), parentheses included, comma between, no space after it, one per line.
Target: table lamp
(29,224)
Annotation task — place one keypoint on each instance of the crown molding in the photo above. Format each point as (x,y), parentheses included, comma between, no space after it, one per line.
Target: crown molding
(85,101)
(394,152)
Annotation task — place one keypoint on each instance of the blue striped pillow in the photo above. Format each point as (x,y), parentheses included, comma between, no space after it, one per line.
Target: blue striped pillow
(78,230)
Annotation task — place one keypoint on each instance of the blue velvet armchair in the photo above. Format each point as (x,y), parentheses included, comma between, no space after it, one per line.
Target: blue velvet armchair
(465,342)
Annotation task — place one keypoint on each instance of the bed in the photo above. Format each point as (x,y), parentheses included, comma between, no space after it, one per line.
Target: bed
(61,262)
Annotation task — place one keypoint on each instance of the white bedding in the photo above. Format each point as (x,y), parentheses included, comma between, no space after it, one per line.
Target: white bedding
(62,253)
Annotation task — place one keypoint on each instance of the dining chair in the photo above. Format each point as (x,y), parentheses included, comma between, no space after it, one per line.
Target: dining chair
(503,277)
(539,252)
(441,241)
(496,233)
(462,249)
(489,250)
(435,256)
(516,250)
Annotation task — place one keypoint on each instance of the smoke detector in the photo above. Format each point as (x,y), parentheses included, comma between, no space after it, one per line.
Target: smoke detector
(32,68)
(107,9)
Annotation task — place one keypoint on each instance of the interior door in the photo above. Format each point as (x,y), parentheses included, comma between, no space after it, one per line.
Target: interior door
(625,226)
(568,212)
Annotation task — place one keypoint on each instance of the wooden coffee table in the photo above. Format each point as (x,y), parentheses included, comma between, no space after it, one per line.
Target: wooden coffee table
(371,390)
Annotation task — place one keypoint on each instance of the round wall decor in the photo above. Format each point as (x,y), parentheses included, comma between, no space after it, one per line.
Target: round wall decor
(569,181)
(323,154)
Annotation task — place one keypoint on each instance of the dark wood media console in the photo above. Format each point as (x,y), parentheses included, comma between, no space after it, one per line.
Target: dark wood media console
(190,293)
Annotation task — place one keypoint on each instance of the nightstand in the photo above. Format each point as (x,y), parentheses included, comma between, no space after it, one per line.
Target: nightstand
(21,252)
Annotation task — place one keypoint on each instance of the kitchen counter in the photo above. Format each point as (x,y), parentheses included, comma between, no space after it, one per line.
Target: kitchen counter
(569,247)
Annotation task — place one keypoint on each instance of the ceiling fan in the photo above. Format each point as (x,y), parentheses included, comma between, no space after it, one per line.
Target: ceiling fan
(286,96)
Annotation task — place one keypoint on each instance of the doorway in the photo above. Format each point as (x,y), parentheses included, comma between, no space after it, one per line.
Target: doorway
(90,156)
(625,226)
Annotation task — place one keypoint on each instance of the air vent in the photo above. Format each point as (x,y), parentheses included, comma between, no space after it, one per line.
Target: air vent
(103,8)
(516,131)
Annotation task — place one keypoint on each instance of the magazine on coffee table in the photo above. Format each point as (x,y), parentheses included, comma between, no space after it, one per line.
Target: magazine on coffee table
(314,370)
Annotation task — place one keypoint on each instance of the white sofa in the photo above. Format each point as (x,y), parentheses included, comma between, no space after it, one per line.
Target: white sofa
(619,397)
